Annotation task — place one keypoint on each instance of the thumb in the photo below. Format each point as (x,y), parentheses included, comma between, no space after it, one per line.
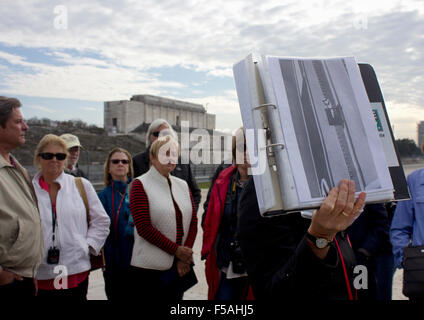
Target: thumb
(19,278)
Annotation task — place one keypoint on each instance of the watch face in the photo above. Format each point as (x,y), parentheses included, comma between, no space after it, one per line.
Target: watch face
(321,243)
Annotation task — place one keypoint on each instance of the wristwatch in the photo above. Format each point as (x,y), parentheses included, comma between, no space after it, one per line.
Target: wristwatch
(320,243)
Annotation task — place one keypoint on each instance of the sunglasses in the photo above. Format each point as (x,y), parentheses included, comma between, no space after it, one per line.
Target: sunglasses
(123,161)
(49,156)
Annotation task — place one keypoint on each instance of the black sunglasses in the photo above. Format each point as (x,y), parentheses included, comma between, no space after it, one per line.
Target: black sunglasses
(49,156)
(156,134)
(116,161)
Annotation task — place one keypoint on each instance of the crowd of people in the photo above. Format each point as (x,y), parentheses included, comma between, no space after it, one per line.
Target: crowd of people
(144,223)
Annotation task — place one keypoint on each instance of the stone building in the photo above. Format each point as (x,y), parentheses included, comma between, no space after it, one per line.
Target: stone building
(420,133)
(133,117)
(124,117)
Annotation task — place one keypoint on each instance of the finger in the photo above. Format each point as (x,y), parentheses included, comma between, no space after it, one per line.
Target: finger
(350,197)
(359,204)
(330,201)
(342,196)
(180,272)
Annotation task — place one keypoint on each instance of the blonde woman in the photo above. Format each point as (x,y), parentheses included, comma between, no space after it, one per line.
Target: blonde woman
(118,173)
(165,218)
(68,240)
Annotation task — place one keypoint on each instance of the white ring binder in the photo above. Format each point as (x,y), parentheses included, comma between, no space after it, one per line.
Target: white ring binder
(274,145)
(265,105)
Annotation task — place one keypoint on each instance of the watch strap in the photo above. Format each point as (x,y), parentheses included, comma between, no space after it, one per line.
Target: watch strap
(315,239)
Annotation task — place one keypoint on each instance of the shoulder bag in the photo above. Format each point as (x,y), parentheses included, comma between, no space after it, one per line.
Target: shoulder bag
(413,271)
(97,262)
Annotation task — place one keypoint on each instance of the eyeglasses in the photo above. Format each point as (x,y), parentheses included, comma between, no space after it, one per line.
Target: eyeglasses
(49,156)
(123,161)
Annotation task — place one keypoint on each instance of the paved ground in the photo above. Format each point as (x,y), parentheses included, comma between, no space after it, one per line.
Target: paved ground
(199,291)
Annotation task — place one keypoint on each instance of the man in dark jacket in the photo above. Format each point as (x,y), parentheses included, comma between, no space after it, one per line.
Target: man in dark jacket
(369,236)
(141,161)
(282,260)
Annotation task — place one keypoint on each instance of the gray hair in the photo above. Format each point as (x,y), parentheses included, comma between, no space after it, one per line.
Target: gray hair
(156,124)
(6,108)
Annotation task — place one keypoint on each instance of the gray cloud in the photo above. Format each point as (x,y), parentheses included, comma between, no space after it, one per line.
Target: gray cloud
(133,36)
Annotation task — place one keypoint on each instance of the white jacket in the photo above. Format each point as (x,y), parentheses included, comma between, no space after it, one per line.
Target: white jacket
(72,237)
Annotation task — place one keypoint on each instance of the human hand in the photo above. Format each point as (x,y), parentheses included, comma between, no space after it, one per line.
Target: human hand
(185,254)
(7,277)
(183,268)
(338,211)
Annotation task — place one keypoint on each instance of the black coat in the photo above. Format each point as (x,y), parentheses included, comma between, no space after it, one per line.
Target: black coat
(370,232)
(141,164)
(77,172)
(279,262)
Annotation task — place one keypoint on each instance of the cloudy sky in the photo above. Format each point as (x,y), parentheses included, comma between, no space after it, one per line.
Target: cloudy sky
(64,58)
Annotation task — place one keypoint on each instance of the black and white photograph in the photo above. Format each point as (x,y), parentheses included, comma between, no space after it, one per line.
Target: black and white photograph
(322,121)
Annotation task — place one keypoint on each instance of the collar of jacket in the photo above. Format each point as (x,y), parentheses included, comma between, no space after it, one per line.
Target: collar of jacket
(225,176)
(60,180)
(120,186)
(157,175)
(4,163)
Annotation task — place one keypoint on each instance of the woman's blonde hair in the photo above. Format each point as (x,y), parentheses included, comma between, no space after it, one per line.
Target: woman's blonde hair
(163,144)
(44,142)
(107,177)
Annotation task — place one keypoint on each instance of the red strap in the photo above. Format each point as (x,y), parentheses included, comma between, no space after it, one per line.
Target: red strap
(349,290)
(115,217)
(350,244)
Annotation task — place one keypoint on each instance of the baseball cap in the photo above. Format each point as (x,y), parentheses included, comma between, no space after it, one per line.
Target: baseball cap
(71,140)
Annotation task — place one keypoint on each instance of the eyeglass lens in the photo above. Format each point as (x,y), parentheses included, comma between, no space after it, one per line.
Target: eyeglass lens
(49,156)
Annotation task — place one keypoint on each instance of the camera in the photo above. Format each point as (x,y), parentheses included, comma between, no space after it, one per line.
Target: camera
(236,257)
(53,255)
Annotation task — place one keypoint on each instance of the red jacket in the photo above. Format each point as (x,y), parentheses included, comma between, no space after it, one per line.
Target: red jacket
(211,226)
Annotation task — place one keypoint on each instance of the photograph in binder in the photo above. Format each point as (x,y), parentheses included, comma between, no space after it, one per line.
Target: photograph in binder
(329,129)
(321,99)
(322,116)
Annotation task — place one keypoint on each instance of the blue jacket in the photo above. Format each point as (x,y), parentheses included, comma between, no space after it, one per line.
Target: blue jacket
(118,247)
(408,220)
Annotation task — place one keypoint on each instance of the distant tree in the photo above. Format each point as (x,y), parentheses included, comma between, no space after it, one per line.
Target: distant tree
(45,122)
(407,148)
(78,123)
(33,121)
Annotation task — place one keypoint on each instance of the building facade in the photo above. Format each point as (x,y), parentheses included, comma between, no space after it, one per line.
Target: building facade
(420,133)
(200,143)
(125,116)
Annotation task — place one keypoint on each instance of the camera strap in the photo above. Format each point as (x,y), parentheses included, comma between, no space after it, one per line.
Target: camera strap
(54,222)
(348,287)
(115,217)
